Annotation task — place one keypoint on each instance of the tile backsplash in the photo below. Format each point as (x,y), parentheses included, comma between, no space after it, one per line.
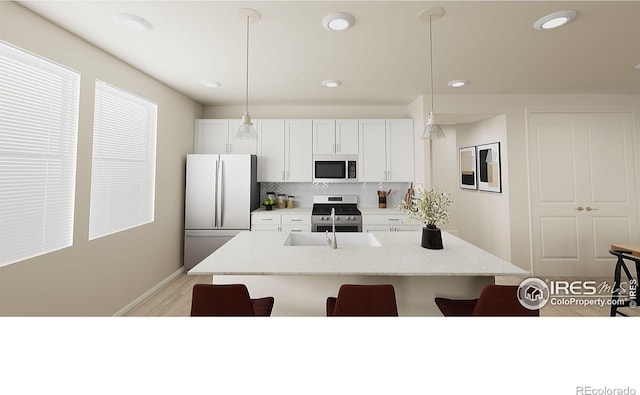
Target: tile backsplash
(367,191)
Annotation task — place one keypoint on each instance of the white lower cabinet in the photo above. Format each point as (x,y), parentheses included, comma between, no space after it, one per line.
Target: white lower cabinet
(296,223)
(280,222)
(265,222)
(388,223)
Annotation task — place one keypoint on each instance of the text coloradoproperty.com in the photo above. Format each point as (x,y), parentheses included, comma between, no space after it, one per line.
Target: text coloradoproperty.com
(589,390)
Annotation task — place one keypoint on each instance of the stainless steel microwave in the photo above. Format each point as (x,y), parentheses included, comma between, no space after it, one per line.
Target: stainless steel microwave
(335,168)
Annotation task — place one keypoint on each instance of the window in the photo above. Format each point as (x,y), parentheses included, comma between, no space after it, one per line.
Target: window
(39,103)
(124,161)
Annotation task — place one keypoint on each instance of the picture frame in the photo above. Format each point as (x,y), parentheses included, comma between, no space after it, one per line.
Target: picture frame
(467,168)
(489,168)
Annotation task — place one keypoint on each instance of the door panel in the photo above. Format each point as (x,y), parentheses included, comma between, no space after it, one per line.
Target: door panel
(271,151)
(324,136)
(555,161)
(200,198)
(607,163)
(607,231)
(581,168)
(298,143)
(559,238)
(373,151)
(235,192)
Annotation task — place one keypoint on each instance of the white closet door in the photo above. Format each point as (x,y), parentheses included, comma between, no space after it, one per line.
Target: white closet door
(583,191)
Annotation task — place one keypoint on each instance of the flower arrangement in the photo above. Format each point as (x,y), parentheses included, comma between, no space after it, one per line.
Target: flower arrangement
(429,207)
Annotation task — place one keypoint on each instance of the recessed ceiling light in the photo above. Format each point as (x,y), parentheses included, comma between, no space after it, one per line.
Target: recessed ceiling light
(331,83)
(211,84)
(458,83)
(338,21)
(133,22)
(554,20)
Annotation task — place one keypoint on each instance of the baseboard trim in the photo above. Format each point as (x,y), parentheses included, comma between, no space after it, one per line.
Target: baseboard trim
(145,295)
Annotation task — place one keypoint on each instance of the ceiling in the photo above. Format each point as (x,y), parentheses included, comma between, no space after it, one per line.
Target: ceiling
(382,59)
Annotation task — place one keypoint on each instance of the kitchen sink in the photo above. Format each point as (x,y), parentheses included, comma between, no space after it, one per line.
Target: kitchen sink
(343,239)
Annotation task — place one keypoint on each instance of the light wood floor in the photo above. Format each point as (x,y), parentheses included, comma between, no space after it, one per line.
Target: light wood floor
(174,300)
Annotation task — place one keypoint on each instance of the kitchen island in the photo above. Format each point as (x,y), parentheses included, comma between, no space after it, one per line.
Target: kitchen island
(301,277)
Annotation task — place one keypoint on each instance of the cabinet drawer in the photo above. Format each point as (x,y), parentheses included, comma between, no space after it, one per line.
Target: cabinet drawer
(385,219)
(265,228)
(288,219)
(265,219)
(296,228)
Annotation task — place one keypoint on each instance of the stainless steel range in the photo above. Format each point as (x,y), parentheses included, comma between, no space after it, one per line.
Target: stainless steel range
(348,217)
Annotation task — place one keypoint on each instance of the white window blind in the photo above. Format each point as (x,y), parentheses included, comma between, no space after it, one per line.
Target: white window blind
(38,134)
(124,161)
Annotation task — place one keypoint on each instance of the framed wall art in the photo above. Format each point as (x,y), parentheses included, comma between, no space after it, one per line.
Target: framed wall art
(489,171)
(467,166)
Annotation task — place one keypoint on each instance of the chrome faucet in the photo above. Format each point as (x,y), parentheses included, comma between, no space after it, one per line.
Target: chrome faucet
(333,243)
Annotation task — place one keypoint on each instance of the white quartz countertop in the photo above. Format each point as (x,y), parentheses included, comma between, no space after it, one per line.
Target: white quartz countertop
(283,211)
(400,254)
(381,211)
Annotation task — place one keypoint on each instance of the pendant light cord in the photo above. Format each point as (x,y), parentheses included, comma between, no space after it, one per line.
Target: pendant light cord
(431,59)
(246,95)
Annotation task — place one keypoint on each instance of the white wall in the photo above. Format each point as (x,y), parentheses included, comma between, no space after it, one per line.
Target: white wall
(483,217)
(444,172)
(101,276)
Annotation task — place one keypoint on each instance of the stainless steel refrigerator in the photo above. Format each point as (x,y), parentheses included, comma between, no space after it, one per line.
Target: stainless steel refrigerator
(221,192)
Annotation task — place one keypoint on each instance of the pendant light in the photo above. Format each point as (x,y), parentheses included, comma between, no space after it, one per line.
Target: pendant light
(246,131)
(432,129)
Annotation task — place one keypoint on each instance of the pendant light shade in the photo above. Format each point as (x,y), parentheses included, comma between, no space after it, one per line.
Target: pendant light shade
(432,129)
(246,131)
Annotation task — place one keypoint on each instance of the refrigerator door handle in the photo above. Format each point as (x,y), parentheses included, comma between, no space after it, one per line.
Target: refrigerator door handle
(220,201)
(215,198)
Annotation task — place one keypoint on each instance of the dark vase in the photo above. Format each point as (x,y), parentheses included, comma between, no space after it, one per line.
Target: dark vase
(268,207)
(431,238)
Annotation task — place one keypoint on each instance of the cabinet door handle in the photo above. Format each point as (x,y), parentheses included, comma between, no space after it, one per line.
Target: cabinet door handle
(579,208)
(230,148)
(266,219)
(592,209)
(394,219)
(296,220)
(283,172)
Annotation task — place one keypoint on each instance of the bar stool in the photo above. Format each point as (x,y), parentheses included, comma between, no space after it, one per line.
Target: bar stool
(228,300)
(621,265)
(494,300)
(363,300)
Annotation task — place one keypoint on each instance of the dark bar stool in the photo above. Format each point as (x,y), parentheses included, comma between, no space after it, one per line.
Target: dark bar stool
(632,288)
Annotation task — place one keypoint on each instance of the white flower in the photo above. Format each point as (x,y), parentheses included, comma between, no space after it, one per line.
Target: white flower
(429,207)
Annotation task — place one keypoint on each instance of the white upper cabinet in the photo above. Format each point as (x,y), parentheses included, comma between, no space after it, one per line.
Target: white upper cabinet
(399,140)
(373,166)
(298,154)
(216,136)
(271,150)
(386,150)
(284,150)
(335,137)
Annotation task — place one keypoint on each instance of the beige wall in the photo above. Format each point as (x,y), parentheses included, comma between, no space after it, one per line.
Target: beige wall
(309,111)
(515,109)
(102,276)
(483,217)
